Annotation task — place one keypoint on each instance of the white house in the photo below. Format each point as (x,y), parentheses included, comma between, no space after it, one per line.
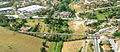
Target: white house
(6,10)
(30,9)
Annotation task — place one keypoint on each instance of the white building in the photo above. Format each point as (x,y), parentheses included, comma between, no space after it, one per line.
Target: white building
(30,9)
(6,10)
(2,3)
(12,16)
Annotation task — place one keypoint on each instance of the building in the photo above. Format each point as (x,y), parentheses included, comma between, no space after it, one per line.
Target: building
(12,16)
(6,10)
(106,48)
(65,14)
(118,46)
(2,3)
(90,21)
(30,9)
(25,28)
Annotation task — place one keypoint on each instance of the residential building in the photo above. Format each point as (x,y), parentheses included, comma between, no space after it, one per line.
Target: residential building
(106,48)
(30,9)
(25,28)
(56,14)
(90,21)
(65,14)
(6,10)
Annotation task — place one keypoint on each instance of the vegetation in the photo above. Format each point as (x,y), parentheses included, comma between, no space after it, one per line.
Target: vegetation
(42,49)
(52,47)
(59,46)
(8,4)
(116,34)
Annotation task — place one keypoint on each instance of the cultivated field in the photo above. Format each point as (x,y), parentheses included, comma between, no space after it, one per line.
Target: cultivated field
(15,42)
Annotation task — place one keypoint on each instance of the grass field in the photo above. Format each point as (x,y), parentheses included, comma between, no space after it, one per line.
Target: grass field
(11,41)
(73,46)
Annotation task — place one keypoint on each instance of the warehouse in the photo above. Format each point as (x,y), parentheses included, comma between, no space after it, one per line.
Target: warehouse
(30,9)
(6,10)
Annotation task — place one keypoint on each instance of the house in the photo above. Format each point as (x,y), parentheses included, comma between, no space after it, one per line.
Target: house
(106,48)
(30,9)
(118,46)
(6,10)
(90,21)
(25,28)
(65,14)
(56,14)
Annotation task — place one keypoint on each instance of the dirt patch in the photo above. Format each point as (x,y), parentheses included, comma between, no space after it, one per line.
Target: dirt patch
(77,26)
(73,46)
(11,41)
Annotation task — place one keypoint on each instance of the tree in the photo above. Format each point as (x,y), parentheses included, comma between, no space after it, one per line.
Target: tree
(116,34)
(42,49)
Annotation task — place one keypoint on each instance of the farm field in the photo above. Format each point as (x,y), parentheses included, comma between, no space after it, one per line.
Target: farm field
(73,46)
(11,41)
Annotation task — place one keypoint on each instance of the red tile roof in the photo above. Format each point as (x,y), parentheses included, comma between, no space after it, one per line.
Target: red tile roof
(24,28)
(106,47)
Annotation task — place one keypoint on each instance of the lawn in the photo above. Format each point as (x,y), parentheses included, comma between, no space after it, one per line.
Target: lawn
(11,41)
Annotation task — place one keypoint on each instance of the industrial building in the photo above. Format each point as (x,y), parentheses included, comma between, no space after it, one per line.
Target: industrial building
(6,10)
(30,9)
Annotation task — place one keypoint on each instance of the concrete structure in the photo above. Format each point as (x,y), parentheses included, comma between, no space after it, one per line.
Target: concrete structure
(30,9)
(6,10)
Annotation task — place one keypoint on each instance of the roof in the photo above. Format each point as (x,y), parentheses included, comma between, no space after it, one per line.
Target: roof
(30,8)
(106,47)
(5,8)
(24,28)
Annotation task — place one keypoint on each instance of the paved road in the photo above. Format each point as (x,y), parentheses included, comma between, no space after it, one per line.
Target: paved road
(87,45)
(96,44)
(113,44)
(83,46)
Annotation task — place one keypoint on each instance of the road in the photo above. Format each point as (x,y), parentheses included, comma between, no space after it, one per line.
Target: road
(96,44)
(57,34)
(83,46)
(113,44)
(87,45)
